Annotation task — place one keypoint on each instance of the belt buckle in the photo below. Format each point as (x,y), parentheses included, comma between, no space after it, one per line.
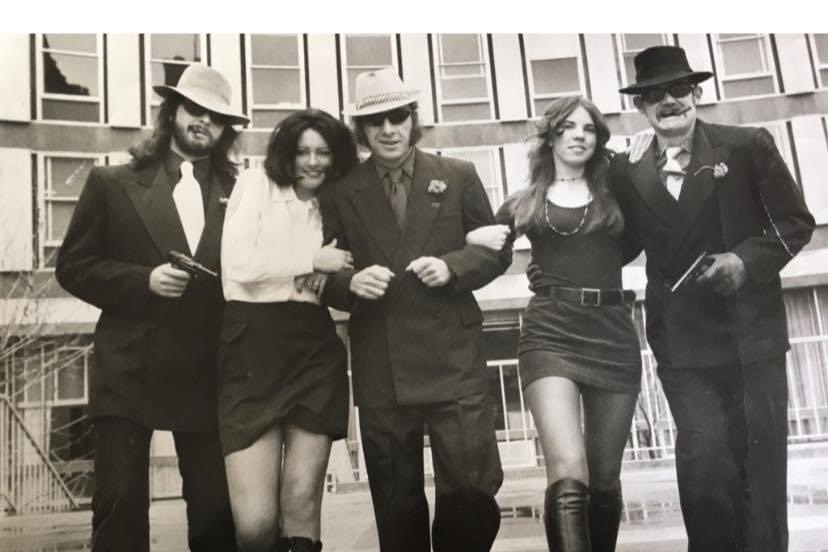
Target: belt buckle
(591,292)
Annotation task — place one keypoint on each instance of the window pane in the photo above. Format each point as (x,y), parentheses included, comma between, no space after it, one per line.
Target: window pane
(58,214)
(67,110)
(272,86)
(175,46)
(68,74)
(553,76)
(368,50)
(274,50)
(821,41)
(75,42)
(745,56)
(472,69)
(641,41)
(748,87)
(70,375)
(736,35)
(457,48)
(166,72)
(802,314)
(824,75)
(629,67)
(68,175)
(457,89)
(49,257)
(467,112)
(269,118)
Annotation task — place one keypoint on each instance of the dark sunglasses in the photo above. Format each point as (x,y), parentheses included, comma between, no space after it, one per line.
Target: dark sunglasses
(195,110)
(395,117)
(677,90)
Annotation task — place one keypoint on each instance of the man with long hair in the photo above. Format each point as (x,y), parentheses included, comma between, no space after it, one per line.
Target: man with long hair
(155,342)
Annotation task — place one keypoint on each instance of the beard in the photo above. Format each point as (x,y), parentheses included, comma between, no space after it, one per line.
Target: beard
(197,147)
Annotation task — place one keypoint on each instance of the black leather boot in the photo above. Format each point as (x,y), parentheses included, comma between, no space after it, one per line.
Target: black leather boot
(304,544)
(566,516)
(282,544)
(605,509)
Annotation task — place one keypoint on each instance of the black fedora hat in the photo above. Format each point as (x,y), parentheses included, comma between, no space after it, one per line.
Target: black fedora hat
(660,65)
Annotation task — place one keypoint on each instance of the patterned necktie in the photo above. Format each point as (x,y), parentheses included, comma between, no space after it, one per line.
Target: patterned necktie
(190,205)
(397,197)
(673,173)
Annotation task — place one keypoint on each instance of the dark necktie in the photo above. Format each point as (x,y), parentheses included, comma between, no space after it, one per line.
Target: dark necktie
(397,197)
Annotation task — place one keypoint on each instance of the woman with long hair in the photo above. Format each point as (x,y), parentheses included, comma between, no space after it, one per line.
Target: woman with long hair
(283,388)
(578,345)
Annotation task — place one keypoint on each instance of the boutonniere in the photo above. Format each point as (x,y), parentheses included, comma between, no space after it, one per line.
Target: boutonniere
(223,201)
(437,187)
(719,170)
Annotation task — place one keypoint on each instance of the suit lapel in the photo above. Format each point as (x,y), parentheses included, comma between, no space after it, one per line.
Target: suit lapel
(421,211)
(373,208)
(151,195)
(647,182)
(698,182)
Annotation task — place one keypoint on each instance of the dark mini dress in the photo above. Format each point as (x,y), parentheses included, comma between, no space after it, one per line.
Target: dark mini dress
(280,362)
(594,346)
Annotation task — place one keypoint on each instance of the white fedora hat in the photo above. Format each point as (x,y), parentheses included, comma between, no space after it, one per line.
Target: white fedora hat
(378,91)
(206,87)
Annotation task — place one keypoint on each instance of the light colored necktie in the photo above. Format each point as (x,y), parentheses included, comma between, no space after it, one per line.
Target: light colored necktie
(673,173)
(190,205)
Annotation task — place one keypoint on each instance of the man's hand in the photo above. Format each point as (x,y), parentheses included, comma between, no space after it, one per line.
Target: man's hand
(492,236)
(329,259)
(371,283)
(314,282)
(431,271)
(639,143)
(726,275)
(167,281)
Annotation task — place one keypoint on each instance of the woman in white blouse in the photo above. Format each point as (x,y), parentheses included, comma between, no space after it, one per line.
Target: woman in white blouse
(283,388)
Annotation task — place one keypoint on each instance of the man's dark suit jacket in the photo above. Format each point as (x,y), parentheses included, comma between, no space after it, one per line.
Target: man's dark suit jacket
(416,344)
(763,220)
(154,357)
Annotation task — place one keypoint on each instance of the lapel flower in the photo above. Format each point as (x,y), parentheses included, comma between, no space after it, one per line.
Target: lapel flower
(437,187)
(224,200)
(719,170)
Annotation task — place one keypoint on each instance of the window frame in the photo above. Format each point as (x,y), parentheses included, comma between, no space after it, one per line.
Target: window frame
(722,78)
(819,64)
(149,102)
(622,51)
(26,401)
(533,97)
(248,75)
(41,88)
(494,163)
(344,65)
(485,64)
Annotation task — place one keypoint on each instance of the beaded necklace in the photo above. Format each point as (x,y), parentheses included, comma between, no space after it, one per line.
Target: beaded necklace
(566,232)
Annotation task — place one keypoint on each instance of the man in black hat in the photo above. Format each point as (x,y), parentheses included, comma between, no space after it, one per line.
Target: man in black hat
(721,194)
(155,342)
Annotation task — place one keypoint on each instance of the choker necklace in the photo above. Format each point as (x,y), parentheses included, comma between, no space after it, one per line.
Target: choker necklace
(565,232)
(573,179)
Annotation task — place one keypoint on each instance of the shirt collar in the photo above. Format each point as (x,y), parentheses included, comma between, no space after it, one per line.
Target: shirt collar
(407,165)
(685,145)
(172,164)
(287,194)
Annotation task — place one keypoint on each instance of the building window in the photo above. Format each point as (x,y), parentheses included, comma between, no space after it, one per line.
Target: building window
(53,371)
(462,75)
(819,45)
(363,52)
(61,177)
(487,162)
(276,74)
(554,68)
(167,56)
(744,65)
(628,46)
(70,75)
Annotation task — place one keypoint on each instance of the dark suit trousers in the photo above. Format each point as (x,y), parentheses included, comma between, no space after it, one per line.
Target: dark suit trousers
(731,454)
(120,505)
(465,457)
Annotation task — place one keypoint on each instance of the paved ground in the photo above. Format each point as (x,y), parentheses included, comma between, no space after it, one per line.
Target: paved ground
(652,520)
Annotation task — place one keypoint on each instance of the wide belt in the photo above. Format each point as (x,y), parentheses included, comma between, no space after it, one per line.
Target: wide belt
(588,297)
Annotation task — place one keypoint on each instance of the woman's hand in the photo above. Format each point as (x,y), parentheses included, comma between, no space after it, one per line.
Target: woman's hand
(492,236)
(329,259)
(639,143)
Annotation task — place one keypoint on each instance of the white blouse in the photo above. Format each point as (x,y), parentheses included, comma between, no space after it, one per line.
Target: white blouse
(270,236)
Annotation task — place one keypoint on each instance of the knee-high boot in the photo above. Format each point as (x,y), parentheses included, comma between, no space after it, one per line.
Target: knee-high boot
(566,516)
(304,544)
(282,544)
(605,509)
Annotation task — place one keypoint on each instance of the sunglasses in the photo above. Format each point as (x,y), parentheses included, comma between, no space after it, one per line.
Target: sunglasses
(677,90)
(195,110)
(395,117)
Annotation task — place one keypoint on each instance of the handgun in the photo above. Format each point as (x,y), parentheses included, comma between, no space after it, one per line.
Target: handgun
(188,264)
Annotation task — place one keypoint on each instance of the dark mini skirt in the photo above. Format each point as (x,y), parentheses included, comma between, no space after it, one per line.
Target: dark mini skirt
(595,346)
(279,363)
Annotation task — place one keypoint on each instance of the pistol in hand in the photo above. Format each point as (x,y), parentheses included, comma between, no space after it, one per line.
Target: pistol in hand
(186,263)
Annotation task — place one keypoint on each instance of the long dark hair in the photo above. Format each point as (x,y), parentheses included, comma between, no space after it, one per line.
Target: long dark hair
(155,148)
(281,148)
(528,204)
